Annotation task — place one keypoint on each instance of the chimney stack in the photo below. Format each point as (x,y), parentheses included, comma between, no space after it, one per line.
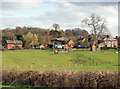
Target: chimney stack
(108,36)
(116,37)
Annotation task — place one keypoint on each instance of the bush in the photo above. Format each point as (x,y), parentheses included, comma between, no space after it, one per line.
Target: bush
(107,48)
(16,47)
(61,79)
(50,45)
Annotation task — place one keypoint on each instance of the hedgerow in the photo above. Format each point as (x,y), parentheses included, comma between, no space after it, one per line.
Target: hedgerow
(83,79)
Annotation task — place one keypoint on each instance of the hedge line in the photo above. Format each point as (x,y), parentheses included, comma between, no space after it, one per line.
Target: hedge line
(83,79)
(107,48)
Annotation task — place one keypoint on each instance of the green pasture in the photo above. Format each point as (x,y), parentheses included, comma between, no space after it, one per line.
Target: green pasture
(47,60)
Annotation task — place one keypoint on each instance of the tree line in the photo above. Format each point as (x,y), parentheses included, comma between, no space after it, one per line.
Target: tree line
(37,36)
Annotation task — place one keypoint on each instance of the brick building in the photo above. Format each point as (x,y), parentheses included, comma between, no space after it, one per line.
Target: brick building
(11,44)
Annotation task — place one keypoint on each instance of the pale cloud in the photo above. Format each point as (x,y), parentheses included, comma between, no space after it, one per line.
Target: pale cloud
(19,5)
(68,15)
(11,22)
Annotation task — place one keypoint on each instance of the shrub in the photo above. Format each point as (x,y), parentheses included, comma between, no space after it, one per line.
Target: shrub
(61,79)
(107,48)
(17,48)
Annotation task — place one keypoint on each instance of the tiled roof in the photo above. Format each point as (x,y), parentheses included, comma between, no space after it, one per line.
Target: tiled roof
(12,42)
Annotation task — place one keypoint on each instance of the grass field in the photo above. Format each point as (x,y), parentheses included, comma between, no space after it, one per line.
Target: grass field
(47,60)
(22,86)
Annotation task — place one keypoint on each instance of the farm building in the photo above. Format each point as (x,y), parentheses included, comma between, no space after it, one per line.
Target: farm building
(81,39)
(59,42)
(63,43)
(70,43)
(11,44)
(82,42)
(93,47)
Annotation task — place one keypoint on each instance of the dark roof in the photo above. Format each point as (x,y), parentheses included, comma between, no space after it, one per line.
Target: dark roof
(80,39)
(12,42)
(69,40)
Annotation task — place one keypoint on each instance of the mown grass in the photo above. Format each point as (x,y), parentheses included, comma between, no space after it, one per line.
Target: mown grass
(47,60)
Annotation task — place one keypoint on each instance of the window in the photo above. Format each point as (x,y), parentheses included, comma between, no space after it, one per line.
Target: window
(109,45)
(110,42)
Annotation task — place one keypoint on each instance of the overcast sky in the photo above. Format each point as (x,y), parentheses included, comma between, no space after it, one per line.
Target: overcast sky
(66,14)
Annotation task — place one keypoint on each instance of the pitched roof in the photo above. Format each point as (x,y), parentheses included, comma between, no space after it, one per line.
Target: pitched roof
(69,40)
(12,42)
(80,39)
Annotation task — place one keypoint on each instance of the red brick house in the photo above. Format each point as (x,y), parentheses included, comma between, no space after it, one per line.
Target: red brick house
(81,39)
(92,45)
(70,43)
(109,42)
(11,44)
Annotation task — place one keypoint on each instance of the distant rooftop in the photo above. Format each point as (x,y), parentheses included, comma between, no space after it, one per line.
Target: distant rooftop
(12,42)
(61,39)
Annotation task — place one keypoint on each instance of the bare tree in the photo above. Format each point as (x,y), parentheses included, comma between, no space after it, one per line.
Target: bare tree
(56,26)
(98,27)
